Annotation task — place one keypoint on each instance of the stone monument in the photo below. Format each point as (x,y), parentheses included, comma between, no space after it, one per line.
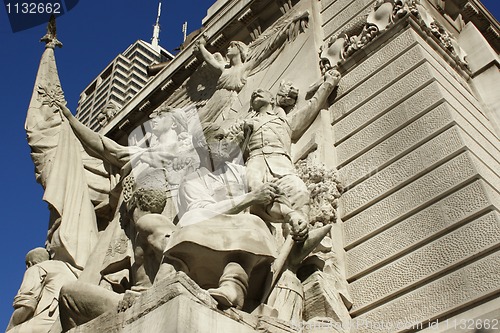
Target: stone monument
(309,165)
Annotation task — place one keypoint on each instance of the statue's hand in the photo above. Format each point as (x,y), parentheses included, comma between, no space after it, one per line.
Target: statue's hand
(181,162)
(64,109)
(247,128)
(201,41)
(128,300)
(266,193)
(235,129)
(332,77)
(299,226)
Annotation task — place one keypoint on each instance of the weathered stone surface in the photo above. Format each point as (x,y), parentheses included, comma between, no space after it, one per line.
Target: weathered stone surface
(451,292)
(375,62)
(355,9)
(486,173)
(442,62)
(460,94)
(378,157)
(398,144)
(448,212)
(447,70)
(326,3)
(323,299)
(487,155)
(419,81)
(388,123)
(385,77)
(457,247)
(410,198)
(402,171)
(331,8)
(486,315)
(177,304)
(474,126)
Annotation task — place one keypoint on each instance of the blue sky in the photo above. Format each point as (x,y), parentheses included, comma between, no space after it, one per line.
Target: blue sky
(93,33)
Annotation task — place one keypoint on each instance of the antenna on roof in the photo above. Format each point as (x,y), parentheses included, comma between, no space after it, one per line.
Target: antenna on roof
(184,30)
(156,30)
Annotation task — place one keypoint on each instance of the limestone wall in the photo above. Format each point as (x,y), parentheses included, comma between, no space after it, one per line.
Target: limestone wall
(421,166)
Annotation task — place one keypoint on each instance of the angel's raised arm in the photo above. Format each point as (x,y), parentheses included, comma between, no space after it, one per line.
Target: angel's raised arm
(210,59)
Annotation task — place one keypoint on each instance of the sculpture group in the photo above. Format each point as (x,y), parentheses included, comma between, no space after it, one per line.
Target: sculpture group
(216,197)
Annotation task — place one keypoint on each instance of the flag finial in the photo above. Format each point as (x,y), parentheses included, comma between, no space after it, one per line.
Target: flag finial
(50,37)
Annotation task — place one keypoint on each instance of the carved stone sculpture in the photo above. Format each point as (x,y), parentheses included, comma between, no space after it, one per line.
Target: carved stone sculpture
(242,60)
(232,260)
(107,113)
(269,132)
(384,14)
(36,303)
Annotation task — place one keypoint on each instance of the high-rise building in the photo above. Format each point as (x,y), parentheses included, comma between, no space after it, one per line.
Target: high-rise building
(120,81)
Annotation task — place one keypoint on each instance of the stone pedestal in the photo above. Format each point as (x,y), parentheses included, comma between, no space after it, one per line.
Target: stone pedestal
(178,305)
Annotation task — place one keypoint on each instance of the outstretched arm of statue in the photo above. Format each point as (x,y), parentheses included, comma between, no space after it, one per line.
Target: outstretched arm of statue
(92,140)
(302,118)
(200,48)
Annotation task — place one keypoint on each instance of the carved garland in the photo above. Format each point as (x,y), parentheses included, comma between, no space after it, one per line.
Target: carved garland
(325,189)
(384,15)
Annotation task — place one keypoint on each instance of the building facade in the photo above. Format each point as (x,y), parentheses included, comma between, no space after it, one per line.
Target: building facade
(402,160)
(124,77)
(413,131)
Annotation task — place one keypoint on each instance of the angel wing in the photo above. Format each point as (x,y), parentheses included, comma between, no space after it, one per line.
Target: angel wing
(263,50)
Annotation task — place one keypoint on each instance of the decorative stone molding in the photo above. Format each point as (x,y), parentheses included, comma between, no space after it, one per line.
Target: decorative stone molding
(285,5)
(219,41)
(146,105)
(384,15)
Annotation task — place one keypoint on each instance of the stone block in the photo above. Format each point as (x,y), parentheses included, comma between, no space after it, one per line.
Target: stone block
(417,81)
(486,317)
(326,3)
(374,85)
(458,247)
(459,93)
(402,171)
(491,177)
(474,123)
(178,305)
(411,198)
(375,159)
(354,10)
(394,48)
(444,295)
(331,8)
(484,151)
(182,315)
(444,64)
(323,300)
(380,128)
(449,212)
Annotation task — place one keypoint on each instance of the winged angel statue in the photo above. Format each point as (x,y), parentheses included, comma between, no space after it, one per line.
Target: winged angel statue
(215,86)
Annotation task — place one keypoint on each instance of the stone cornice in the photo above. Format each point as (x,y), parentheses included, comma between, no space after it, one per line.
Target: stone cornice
(475,12)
